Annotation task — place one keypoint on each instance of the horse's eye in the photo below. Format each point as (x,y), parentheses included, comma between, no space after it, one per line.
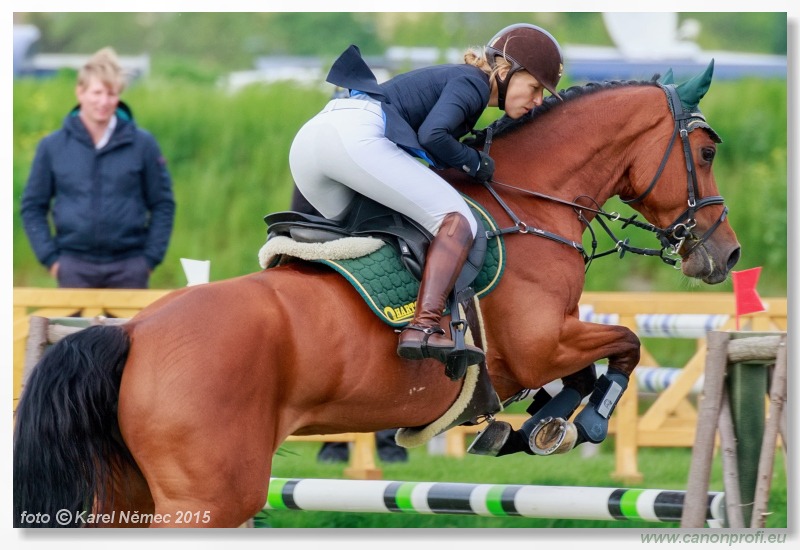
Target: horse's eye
(708,154)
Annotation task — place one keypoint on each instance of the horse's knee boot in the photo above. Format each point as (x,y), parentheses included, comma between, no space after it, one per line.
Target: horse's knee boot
(592,421)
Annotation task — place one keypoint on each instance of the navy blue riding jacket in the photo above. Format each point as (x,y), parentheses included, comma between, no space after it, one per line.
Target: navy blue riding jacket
(428,109)
(108,204)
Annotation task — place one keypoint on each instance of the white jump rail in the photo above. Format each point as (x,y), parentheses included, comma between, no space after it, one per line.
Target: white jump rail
(491,500)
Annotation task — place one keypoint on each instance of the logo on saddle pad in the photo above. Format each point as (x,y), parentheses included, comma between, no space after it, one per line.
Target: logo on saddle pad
(402,313)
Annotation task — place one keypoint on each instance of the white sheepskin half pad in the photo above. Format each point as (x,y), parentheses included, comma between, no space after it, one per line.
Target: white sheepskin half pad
(339,249)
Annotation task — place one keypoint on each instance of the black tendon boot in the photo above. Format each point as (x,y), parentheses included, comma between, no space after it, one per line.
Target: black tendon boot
(592,421)
(423,338)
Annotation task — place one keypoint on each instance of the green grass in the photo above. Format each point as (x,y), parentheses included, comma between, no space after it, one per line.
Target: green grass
(666,468)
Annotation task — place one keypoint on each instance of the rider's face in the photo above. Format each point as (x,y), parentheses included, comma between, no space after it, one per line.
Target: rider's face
(524,93)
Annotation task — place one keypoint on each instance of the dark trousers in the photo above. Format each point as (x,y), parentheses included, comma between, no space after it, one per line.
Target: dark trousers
(129,273)
(388,449)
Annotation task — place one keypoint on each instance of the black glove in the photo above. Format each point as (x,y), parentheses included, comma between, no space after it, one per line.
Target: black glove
(485,169)
(477,139)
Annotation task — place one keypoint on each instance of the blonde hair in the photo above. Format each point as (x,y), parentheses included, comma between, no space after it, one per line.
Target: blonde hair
(104,66)
(477,58)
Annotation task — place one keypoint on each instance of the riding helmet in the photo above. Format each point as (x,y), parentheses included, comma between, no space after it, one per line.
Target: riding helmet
(530,48)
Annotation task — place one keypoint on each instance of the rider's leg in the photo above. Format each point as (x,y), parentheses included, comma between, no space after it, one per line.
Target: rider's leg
(344,150)
(423,337)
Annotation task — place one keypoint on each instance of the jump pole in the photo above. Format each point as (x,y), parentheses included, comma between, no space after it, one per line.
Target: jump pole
(531,501)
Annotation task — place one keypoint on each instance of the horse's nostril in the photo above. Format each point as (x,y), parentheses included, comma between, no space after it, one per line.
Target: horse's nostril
(734,257)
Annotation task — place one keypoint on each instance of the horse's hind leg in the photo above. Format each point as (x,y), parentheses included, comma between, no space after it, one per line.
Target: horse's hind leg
(227,507)
(212,477)
(206,462)
(204,472)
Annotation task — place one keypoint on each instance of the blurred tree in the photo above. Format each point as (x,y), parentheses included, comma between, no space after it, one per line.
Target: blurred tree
(322,33)
(760,32)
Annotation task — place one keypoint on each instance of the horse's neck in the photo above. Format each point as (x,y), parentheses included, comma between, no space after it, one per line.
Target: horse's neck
(579,149)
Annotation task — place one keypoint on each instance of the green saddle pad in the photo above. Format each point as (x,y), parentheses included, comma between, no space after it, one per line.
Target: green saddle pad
(391,291)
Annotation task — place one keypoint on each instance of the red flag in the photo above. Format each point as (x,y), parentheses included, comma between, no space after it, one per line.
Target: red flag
(744,289)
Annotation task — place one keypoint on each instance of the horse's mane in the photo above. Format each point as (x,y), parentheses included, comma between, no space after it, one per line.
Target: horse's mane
(506,124)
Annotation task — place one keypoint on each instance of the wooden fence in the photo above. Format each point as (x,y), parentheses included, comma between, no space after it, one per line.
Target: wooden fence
(669,422)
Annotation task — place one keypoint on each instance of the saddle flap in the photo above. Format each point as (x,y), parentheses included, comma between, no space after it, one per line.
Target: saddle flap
(290,217)
(363,218)
(313,234)
(475,258)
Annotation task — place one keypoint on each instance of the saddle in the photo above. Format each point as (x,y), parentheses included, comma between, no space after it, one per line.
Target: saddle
(367,218)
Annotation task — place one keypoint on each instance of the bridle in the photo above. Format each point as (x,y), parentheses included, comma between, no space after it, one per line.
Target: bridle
(678,231)
(672,237)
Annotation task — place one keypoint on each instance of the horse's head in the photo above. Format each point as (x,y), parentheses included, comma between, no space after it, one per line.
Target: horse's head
(671,182)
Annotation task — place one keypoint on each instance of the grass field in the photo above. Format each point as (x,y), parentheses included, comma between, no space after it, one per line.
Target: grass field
(666,468)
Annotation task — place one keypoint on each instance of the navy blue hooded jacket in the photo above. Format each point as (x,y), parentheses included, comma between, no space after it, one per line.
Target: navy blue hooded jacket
(108,204)
(428,109)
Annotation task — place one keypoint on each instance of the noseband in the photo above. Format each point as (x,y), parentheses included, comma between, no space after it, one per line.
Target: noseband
(672,237)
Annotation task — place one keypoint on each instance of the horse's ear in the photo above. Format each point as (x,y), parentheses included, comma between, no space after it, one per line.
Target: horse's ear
(693,90)
(668,78)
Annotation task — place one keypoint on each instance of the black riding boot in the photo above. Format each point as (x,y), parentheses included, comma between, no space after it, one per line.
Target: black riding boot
(423,338)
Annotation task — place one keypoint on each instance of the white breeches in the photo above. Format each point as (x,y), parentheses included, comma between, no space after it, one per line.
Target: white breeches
(343,151)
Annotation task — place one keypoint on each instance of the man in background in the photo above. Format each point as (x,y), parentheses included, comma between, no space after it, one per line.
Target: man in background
(104,183)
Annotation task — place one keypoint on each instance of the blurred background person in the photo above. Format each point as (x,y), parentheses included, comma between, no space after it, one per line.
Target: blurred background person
(388,449)
(104,184)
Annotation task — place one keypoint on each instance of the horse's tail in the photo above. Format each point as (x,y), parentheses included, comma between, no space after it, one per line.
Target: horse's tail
(67,441)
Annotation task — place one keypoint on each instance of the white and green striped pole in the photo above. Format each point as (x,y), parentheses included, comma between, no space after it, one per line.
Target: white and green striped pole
(532,501)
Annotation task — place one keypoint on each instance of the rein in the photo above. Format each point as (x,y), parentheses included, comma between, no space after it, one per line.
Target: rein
(672,238)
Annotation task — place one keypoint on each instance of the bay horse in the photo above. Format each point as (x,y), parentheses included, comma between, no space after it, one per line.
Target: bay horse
(172,419)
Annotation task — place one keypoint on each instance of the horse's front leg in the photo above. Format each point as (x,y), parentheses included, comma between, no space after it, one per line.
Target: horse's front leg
(548,430)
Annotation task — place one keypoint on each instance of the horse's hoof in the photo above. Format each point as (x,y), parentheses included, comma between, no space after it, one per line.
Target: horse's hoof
(553,436)
(489,441)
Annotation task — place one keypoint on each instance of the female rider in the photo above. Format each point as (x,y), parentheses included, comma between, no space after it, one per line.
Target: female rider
(372,142)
